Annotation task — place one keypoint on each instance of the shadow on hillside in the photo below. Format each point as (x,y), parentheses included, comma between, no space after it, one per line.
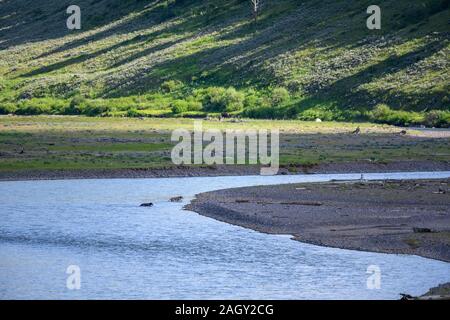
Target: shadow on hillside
(347,89)
(153,17)
(31,21)
(245,59)
(261,42)
(85,57)
(235,63)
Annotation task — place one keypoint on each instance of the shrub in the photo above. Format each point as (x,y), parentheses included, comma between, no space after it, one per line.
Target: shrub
(133,113)
(57,106)
(171,86)
(194,105)
(437,118)
(233,100)
(383,114)
(313,114)
(30,109)
(252,100)
(405,118)
(218,99)
(7,108)
(37,106)
(264,112)
(179,106)
(76,106)
(280,96)
(212,99)
(92,109)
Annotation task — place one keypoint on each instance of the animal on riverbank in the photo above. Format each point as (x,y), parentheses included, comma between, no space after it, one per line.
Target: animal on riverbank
(176,199)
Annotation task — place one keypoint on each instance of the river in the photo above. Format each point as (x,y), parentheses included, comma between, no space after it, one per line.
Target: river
(125,251)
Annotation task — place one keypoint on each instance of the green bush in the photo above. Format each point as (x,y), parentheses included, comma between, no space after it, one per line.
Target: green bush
(92,109)
(57,106)
(264,112)
(233,100)
(383,114)
(171,86)
(7,108)
(218,99)
(76,106)
(31,109)
(194,105)
(437,118)
(273,106)
(252,100)
(280,96)
(133,113)
(212,99)
(313,114)
(37,106)
(179,106)
(192,102)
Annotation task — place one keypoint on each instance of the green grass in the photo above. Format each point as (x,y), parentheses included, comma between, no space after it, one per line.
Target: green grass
(112,147)
(80,143)
(24,125)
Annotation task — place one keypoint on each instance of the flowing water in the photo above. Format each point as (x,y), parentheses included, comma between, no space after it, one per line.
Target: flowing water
(125,251)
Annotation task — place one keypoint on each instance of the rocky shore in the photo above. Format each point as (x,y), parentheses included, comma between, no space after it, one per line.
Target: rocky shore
(405,217)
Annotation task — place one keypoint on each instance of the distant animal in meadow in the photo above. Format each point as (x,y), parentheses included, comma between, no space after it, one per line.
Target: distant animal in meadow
(357,131)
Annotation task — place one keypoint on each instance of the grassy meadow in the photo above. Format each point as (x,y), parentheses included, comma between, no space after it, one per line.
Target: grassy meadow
(79,143)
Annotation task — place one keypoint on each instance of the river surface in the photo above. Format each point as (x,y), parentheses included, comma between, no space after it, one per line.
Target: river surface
(125,251)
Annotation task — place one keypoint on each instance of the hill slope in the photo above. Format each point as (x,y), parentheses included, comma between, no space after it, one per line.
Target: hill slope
(301,59)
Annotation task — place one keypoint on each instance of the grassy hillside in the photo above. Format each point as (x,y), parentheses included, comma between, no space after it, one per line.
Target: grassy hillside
(302,59)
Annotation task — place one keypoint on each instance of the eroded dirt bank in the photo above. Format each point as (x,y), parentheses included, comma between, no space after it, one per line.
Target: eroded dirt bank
(223,170)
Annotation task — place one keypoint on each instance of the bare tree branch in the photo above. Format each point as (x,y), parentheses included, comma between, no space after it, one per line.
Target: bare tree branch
(256,7)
